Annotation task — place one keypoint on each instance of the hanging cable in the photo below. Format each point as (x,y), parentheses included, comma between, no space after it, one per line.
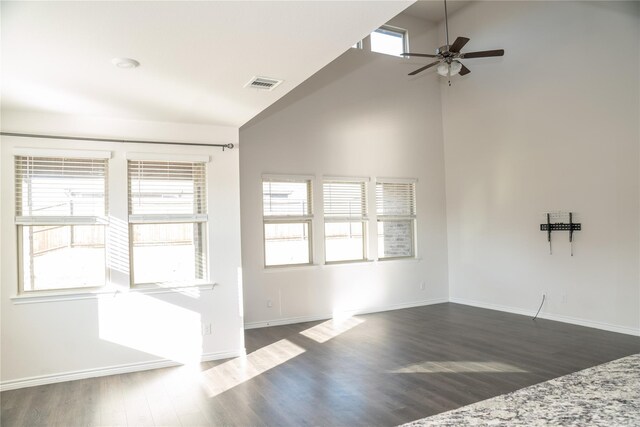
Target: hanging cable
(538,312)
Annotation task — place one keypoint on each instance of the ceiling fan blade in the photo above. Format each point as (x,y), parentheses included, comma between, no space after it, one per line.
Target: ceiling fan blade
(483,54)
(426,55)
(464,70)
(458,44)
(421,69)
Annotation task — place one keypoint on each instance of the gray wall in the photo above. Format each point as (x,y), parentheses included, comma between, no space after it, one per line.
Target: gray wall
(360,116)
(546,127)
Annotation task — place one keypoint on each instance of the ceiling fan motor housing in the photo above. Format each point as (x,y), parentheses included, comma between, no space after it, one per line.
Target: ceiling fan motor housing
(444,51)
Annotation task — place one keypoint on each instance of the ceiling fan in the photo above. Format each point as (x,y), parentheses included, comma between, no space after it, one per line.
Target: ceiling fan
(449,56)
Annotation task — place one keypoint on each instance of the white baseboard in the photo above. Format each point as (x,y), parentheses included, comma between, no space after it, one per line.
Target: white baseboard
(303,319)
(549,316)
(110,370)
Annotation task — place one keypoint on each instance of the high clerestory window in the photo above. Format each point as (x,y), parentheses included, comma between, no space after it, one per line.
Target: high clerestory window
(389,40)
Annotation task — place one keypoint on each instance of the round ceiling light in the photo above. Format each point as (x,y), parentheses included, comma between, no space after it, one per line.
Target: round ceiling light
(125,62)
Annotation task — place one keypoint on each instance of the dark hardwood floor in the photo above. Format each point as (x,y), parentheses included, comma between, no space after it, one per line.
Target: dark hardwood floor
(379,369)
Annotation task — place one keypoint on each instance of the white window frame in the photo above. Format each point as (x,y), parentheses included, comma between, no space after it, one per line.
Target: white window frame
(363,219)
(116,222)
(288,219)
(22,221)
(141,219)
(412,219)
(397,30)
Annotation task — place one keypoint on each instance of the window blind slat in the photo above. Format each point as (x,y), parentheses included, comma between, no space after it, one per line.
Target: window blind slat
(167,188)
(345,199)
(286,198)
(395,199)
(60,187)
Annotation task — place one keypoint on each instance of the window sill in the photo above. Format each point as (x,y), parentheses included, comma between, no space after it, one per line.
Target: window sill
(287,268)
(290,267)
(347,263)
(38,297)
(400,259)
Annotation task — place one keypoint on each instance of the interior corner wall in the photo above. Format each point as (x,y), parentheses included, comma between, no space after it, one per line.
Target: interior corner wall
(359,116)
(60,340)
(552,125)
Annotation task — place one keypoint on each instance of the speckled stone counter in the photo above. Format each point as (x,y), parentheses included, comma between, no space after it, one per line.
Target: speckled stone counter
(605,395)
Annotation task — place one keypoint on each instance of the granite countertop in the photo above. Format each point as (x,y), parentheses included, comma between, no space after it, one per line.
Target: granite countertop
(605,395)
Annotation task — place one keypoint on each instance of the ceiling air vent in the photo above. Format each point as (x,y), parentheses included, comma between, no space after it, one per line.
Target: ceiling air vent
(263,83)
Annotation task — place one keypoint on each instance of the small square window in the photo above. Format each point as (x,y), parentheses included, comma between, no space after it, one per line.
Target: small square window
(390,41)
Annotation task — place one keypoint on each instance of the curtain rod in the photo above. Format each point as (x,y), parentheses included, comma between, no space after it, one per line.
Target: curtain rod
(76,138)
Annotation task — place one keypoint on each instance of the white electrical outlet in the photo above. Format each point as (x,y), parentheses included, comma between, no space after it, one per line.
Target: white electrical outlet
(206,329)
(269,303)
(423,285)
(565,298)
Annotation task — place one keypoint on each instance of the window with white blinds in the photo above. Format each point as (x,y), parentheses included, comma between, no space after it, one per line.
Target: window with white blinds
(395,199)
(287,214)
(52,189)
(396,212)
(344,199)
(167,217)
(159,189)
(61,205)
(345,217)
(286,198)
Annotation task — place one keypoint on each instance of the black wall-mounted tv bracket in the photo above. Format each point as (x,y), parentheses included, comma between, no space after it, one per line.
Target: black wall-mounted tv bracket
(561,226)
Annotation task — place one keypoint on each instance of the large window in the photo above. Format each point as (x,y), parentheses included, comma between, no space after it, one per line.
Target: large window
(396,211)
(287,213)
(345,219)
(61,206)
(389,40)
(168,218)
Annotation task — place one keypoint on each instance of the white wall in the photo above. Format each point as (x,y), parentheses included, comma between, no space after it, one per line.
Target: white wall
(553,125)
(124,330)
(359,116)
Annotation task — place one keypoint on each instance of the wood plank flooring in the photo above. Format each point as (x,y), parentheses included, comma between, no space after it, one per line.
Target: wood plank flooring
(380,369)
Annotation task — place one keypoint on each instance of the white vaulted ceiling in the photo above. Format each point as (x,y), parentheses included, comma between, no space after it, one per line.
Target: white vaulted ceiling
(195,56)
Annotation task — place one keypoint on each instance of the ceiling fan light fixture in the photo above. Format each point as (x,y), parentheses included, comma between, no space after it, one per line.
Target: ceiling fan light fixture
(448,70)
(443,69)
(455,68)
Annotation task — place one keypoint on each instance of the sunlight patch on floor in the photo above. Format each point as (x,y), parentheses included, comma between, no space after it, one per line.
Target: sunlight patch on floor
(230,374)
(331,328)
(456,367)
